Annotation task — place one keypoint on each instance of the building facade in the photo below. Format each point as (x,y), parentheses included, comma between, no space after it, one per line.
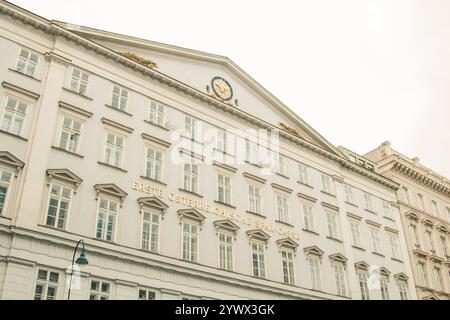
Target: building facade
(424,200)
(185,178)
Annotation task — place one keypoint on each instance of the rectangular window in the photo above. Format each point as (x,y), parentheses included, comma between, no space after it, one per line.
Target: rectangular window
(100,290)
(430,241)
(435,208)
(224,189)
(107,212)
(326,183)
(154,164)
(225,251)
(368,201)
(443,240)
(422,274)
(46,285)
(421,202)
(287,258)
(14,116)
(5,184)
(79,81)
(303,174)
(27,62)
(190,127)
(348,193)
(308,217)
(258,259)
(405,194)
(362,279)
(150,230)
(279,163)
(393,241)
(384,287)
(254,199)
(387,209)
(403,288)
(157,113)
(222,140)
(414,235)
(339,276)
(190,241)
(283,209)
(114,150)
(332,225)
(438,279)
(374,233)
(58,206)
(314,272)
(70,134)
(145,294)
(251,152)
(356,233)
(119,98)
(190,177)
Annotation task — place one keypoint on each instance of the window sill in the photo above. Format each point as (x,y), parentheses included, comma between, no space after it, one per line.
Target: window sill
(13,135)
(154,180)
(256,213)
(310,231)
(359,248)
(111,166)
(282,175)
(351,204)
(389,218)
(327,193)
(225,204)
(191,192)
(334,239)
(78,94)
(24,74)
(398,260)
(285,223)
(68,152)
(253,164)
(378,254)
(117,109)
(372,212)
(305,184)
(157,125)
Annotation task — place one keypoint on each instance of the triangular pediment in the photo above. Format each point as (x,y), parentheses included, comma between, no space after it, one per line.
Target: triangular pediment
(428,222)
(338,257)
(412,215)
(245,93)
(153,202)
(443,228)
(314,250)
(8,159)
(226,225)
(65,175)
(287,243)
(384,271)
(401,276)
(110,189)
(361,265)
(258,235)
(191,213)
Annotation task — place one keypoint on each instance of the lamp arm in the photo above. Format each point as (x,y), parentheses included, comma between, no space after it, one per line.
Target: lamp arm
(71,267)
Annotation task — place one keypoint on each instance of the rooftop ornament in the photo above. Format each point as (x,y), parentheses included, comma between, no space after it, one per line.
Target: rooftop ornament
(141,60)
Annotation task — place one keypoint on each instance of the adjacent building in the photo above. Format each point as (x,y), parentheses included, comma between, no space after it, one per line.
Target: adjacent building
(185,178)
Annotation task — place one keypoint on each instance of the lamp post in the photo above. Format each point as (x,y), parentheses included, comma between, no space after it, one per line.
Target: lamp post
(81,260)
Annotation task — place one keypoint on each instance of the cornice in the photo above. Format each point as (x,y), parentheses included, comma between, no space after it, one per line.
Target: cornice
(56,30)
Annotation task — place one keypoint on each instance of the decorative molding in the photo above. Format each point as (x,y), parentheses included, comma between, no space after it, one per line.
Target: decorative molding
(330,206)
(141,60)
(338,178)
(306,197)
(443,228)
(354,216)
(52,56)
(152,202)
(224,167)
(412,215)
(373,223)
(255,178)
(384,271)
(281,188)
(6,158)
(21,90)
(110,189)
(156,140)
(64,175)
(78,110)
(258,234)
(226,225)
(338,257)
(313,250)
(427,222)
(361,265)
(287,243)
(192,214)
(391,230)
(117,125)
(126,283)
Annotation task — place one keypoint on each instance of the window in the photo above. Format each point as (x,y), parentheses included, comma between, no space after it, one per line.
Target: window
(421,202)
(308,217)
(362,279)
(224,189)
(368,201)
(339,276)
(403,288)
(448,213)
(114,149)
(393,241)
(443,240)
(154,164)
(405,194)
(14,116)
(225,251)
(326,183)
(251,151)
(150,230)
(314,271)
(282,207)
(100,290)
(356,233)
(27,62)
(106,219)
(119,98)
(414,235)
(430,242)
(222,140)
(438,279)
(435,208)
(157,113)
(374,233)
(279,163)
(332,225)
(258,259)
(46,285)
(254,199)
(79,81)
(349,193)
(145,294)
(5,184)
(384,287)
(190,127)
(287,258)
(58,206)
(422,273)
(190,177)
(70,134)
(387,209)
(303,174)
(190,241)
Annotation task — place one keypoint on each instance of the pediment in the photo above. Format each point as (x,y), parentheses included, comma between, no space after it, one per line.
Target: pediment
(314,250)
(65,175)
(428,222)
(152,202)
(287,243)
(110,189)
(443,228)
(191,213)
(226,225)
(338,257)
(361,265)
(401,276)
(412,215)
(258,235)
(10,160)
(384,271)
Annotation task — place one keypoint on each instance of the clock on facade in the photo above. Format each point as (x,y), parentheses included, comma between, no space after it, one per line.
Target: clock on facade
(222,88)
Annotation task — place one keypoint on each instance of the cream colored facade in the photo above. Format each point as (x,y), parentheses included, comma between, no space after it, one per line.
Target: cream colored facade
(424,200)
(82,134)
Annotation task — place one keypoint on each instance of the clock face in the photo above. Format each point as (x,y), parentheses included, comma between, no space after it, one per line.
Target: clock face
(222,88)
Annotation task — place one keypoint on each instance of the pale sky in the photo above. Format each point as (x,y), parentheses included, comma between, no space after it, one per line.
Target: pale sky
(359,72)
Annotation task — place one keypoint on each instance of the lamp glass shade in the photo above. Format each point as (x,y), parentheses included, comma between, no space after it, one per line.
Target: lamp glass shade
(82,260)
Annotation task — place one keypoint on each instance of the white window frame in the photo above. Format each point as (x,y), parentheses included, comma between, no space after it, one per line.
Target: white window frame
(403,289)
(193,178)
(288,265)
(423,275)
(152,212)
(147,292)
(46,284)
(148,148)
(100,293)
(27,62)
(260,252)
(105,222)
(16,114)
(333,224)
(327,183)
(226,187)
(113,148)
(282,207)
(349,196)
(368,203)
(189,252)
(303,175)
(70,131)
(340,277)
(387,210)
(225,264)
(8,185)
(384,287)
(251,152)
(308,216)
(315,273)
(157,113)
(123,94)
(438,280)
(430,240)
(190,127)
(79,81)
(394,244)
(375,239)
(435,207)
(355,228)
(62,186)
(363,276)
(254,199)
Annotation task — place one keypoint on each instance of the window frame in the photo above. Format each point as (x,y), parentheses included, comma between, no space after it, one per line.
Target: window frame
(109,199)
(232,245)
(46,283)
(284,206)
(157,106)
(291,265)
(260,244)
(100,292)
(197,248)
(26,117)
(37,67)
(116,135)
(61,184)
(257,199)
(227,189)
(303,174)
(152,211)
(9,189)
(147,147)
(311,213)
(71,75)
(120,97)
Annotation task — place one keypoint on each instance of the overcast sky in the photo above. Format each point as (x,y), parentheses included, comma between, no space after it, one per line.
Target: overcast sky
(359,72)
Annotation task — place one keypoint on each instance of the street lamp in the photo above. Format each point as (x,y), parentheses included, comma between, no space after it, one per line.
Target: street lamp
(81,261)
